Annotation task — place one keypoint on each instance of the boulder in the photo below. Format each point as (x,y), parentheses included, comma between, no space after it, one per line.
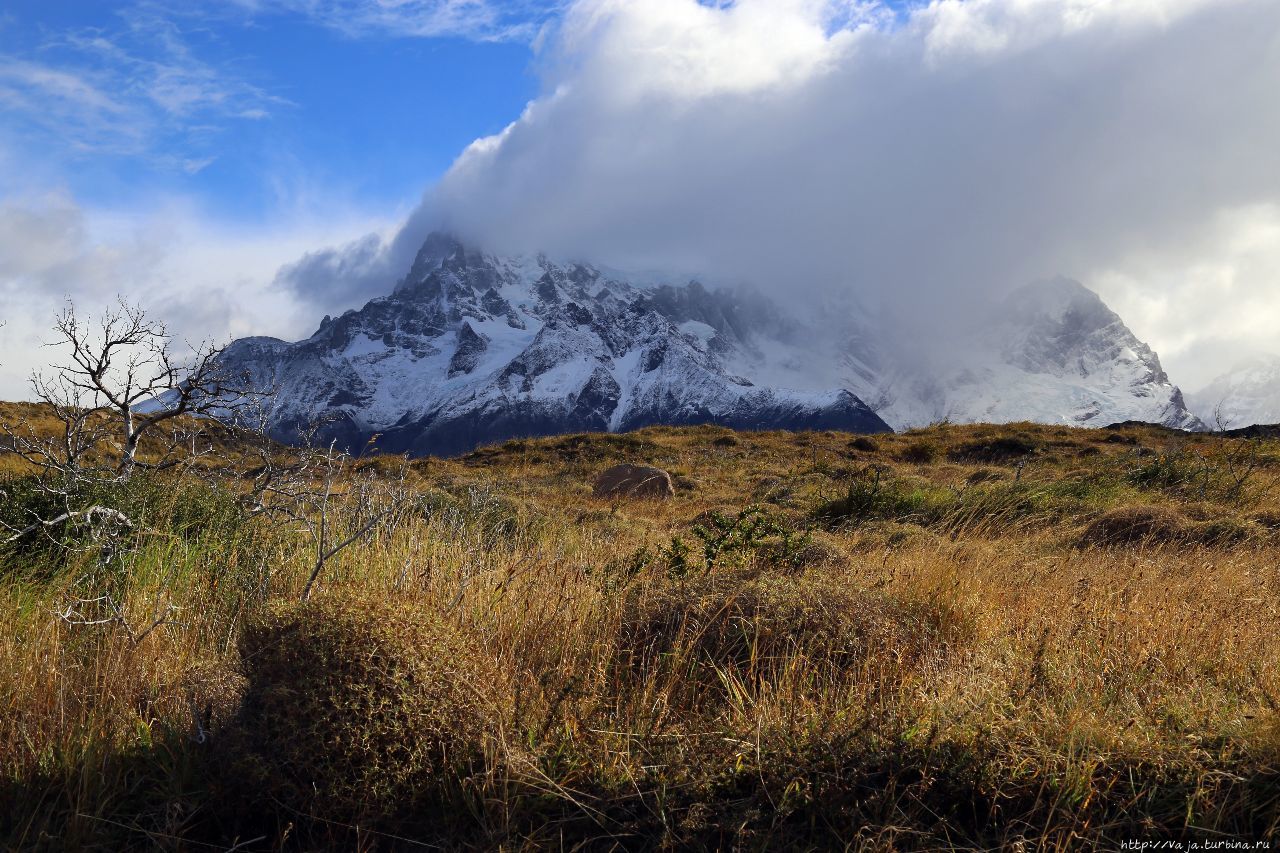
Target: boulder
(634,481)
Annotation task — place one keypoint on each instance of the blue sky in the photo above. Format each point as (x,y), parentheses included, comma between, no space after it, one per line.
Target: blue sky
(249,105)
(250,111)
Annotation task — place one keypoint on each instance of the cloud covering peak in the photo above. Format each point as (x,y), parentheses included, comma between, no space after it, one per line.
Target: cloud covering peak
(977,141)
(924,156)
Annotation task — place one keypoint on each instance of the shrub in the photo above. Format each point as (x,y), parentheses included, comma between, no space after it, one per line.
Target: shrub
(359,710)
(1228,530)
(919,453)
(864,444)
(873,495)
(756,628)
(995,451)
(480,509)
(751,531)
(1171,470)
(1134,525)
(752,535)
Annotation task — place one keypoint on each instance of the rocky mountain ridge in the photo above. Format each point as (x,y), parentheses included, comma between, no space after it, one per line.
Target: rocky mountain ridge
(471,348)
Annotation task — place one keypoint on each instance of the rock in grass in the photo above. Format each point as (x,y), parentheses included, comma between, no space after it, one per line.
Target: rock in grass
(634,481)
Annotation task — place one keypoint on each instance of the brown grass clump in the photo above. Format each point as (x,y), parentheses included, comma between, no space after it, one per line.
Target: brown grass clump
(922,452)
(1137,525)
(1226,531)
(359,709)
(892,535)
(757,628)
(995,451)
(865,444)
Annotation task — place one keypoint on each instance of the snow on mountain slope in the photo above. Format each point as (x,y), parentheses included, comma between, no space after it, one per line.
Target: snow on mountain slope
(1053,352)
(1248,394)
(472,348)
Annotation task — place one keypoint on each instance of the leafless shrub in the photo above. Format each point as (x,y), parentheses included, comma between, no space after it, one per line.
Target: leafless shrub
(124,398)
(122,383)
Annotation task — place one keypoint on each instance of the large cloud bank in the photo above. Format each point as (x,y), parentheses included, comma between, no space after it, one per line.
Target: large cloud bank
(932,156)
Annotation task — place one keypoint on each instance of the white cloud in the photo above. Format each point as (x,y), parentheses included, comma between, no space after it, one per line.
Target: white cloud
(481,20)
(207,279)
(1211,302)
(929,158)
(69,104)
(139,89)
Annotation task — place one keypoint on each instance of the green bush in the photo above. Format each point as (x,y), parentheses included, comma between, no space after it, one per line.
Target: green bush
(875,496)
(752,534)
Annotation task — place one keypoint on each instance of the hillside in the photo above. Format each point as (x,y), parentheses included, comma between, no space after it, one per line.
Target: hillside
(964,637)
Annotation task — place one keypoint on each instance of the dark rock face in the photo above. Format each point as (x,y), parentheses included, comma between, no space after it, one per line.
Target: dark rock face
(472,349)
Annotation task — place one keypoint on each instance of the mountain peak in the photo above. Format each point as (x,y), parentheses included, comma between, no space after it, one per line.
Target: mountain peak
(1059,300)
(474,348)
(1246,395)
(439,247)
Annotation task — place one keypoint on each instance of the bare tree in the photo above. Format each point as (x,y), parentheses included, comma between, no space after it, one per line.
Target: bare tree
(124,400)
(125,365)
(122,383)
(315,487)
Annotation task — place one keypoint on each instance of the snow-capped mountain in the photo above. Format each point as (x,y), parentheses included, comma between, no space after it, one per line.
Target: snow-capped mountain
(1052,352)
(1246,395)
(472,348)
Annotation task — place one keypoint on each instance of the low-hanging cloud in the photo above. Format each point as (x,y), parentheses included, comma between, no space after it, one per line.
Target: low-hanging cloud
(971,142)
(929,159)
(932,156)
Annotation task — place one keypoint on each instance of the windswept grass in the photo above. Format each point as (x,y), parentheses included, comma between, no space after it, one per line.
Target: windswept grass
(1017,636)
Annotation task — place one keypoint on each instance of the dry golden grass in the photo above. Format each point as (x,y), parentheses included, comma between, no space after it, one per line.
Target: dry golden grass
(910,644)
(352,706)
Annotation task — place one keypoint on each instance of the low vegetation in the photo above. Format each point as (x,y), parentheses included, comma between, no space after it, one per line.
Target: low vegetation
(963,637)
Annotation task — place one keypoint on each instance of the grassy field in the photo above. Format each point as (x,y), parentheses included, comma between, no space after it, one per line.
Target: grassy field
(963,637)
